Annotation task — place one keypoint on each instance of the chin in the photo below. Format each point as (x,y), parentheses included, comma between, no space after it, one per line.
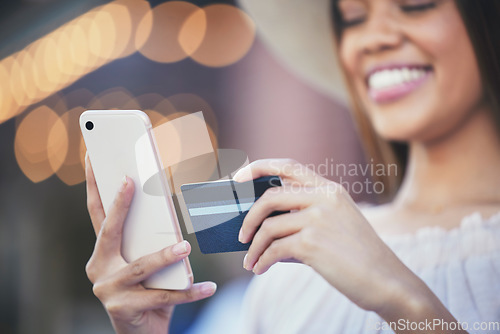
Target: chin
(404,129)
(417,117)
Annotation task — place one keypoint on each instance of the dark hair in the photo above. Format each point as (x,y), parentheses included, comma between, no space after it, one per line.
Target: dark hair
(482,21)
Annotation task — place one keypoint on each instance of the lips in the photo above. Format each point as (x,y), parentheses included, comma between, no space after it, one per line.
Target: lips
(389,83)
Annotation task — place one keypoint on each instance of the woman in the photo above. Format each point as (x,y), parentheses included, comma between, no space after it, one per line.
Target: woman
(424,72)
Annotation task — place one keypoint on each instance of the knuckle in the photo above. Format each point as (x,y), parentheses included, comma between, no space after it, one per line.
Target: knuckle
(267,226)
(91,270)
(273,250)
(105,231)
(271,198)
(264,227)
(137,268)
(165,297)
(98,289)
(316,213)
(159,259)
(190,295)
(114,309)
(165,257)
(307,240)
(109,232)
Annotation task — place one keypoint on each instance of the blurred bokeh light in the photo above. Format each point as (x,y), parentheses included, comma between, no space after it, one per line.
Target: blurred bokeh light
(165,22)
(215,36)
(228,37)
(41,144)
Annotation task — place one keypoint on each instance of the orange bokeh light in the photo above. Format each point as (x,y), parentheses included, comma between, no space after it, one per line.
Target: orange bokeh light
(79,45)
(122,25)
(71,171)
(66,66)
(56,102)
(164,22)
(137,10)
(41,144)
(102,36)
(228,37)
(8,106)
(31,73)
(54,77)
(17,78)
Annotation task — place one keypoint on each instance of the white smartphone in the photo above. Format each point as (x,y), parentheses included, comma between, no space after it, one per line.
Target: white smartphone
(119,143)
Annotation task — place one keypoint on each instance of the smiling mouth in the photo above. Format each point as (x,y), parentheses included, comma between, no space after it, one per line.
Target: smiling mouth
(388,84)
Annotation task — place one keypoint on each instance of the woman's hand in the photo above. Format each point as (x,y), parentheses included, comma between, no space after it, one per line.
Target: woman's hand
(117,284)
(326,231)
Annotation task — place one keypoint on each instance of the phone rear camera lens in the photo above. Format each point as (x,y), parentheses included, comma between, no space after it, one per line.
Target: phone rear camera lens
(89,125)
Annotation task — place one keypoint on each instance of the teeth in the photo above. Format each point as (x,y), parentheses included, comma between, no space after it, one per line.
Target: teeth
(388,78)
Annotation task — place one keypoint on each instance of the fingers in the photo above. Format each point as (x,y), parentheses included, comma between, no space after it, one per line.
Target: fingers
(274,199)
(289,170)
(94,204)
(272,228)
(129,306)
(142,268)
(110,235)
(155,299)
(279,250)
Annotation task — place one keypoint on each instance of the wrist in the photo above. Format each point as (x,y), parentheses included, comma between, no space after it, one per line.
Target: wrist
(401,292)
(406,299)
(411,300)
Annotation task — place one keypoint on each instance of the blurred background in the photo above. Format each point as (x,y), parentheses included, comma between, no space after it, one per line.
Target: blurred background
(168,58)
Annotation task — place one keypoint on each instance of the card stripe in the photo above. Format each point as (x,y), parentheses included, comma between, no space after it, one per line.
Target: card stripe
(218,209)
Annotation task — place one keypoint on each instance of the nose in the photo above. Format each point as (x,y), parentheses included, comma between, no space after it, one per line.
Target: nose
(382,33)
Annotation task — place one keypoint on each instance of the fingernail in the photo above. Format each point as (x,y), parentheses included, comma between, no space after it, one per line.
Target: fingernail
(255,271)
(245,261)
(124,183)
(237,175)
(208,288)
(240,236)
(180,248)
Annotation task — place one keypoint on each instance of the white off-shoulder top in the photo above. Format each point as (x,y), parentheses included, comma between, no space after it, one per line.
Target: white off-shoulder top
(461,266)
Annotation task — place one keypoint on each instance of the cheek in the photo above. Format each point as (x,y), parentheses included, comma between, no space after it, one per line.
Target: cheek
(348,54)
(350,60)
(447,42)
(458,83)
(457,70)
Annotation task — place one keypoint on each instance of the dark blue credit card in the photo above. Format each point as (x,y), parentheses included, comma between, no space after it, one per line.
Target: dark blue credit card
(217,210)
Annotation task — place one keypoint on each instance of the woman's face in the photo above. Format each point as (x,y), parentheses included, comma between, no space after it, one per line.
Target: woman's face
(412,64)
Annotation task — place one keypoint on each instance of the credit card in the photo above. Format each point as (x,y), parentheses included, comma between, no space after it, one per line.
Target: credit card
(217,210)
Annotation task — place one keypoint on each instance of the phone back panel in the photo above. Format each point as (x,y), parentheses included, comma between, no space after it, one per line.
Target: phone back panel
(121,143)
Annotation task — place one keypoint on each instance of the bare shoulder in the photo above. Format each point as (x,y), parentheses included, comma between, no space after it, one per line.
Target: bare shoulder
(389,219)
